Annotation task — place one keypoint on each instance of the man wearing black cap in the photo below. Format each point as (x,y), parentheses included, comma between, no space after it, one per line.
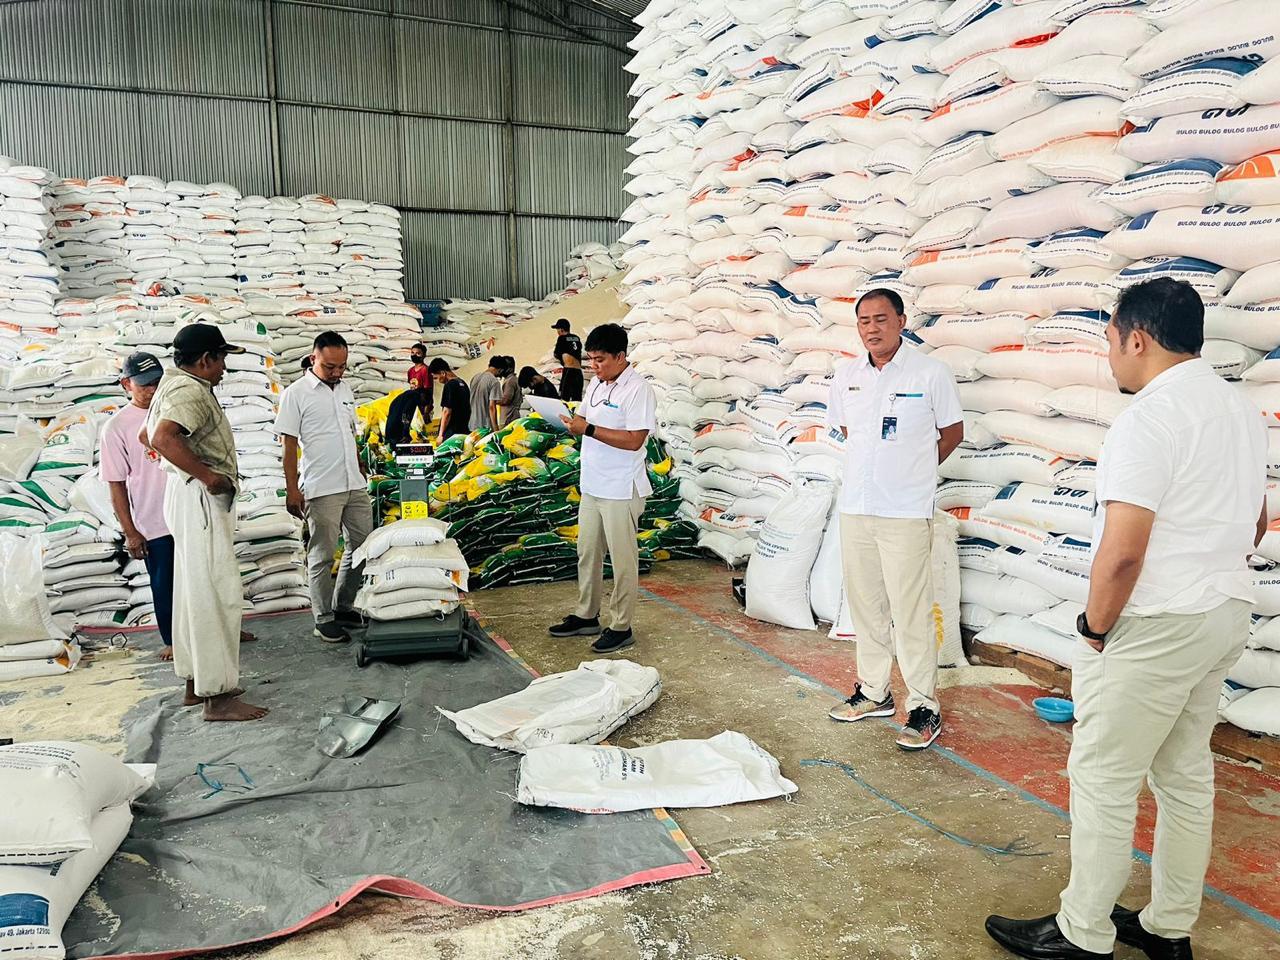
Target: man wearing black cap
(187,428)
(133,474)
(568,353)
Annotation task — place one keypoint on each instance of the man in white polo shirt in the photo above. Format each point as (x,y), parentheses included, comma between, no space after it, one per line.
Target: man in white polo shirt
(319,411)
(900,413)
(614,420)
(1181,505)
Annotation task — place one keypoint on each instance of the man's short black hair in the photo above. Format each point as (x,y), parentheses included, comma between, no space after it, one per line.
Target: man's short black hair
(526,377)
(439,365)
(327,339)
(1167,310)
(418,346)
(885,293)
(607,338)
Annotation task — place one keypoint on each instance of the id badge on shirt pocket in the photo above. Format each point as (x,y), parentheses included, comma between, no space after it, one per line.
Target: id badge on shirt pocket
(889,428)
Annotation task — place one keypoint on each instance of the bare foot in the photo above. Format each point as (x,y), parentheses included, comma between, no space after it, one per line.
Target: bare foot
(166,653)
(247,637)
(190,699)
(229,707)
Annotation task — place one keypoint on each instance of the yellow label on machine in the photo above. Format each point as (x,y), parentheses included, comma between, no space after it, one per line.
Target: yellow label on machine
(414,510)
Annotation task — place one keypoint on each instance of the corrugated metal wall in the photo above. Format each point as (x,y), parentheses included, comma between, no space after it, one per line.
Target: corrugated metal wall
(497,128)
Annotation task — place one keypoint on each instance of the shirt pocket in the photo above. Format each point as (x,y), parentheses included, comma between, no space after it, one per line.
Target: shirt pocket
(914,413)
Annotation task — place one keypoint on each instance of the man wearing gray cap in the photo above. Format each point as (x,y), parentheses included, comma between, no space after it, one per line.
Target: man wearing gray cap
(133,474)
(187,428)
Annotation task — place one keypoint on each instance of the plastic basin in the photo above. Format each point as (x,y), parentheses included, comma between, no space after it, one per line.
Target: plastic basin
(1054,709)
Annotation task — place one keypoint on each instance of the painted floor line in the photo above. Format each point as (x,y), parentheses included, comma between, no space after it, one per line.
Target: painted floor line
(1253,913)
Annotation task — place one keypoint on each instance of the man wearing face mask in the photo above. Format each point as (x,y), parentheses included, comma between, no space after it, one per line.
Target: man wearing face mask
(901,416)
(615,420)
(421,383)
(188,429)
(1181,505)
(318,412)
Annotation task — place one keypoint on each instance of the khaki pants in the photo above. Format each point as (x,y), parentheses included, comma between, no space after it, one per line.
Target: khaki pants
(208,596)
(351,515)
(609,526)
(1145,709)
(888,580)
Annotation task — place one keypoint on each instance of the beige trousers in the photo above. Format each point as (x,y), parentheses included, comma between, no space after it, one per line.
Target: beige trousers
(888,580)
(1145,709)
(208,596)
(609,526)
(351,515)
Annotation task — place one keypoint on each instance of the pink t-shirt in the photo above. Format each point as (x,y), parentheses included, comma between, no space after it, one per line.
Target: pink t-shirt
(123,457)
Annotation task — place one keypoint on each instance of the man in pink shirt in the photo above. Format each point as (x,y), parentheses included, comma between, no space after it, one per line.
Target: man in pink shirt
(133,474)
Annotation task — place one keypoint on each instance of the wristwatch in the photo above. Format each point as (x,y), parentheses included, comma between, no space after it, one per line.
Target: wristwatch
(1082,628)
(590,431)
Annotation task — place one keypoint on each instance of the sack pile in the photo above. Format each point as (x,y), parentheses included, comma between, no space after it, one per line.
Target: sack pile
(1009,170)
(588,264)
(28,262)
(510,499)
(68,812)
(411,569)
(32,642)
(115,234)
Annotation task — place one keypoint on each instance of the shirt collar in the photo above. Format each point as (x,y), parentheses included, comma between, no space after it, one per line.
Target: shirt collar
(179,372)
(898,360)
(1185,370)
(312,381)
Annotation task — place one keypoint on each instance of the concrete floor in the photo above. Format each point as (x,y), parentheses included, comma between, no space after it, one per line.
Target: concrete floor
(897,863)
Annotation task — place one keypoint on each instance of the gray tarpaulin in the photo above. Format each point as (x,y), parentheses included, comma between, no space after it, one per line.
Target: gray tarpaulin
(252,832)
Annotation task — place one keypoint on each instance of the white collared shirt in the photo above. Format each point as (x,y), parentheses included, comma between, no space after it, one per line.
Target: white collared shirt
(1193,451)
(627,403)
(893,416)
(324,421)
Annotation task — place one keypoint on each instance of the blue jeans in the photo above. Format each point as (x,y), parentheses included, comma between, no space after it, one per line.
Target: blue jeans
(159,563)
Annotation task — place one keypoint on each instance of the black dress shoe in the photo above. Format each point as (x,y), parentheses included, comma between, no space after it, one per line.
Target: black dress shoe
(1038,940)
(1130,931)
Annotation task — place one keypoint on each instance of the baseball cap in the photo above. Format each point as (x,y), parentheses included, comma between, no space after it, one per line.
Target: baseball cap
(142,368)
(561,324)
(200,338)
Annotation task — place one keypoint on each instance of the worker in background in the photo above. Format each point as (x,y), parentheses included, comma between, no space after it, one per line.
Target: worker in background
(568,353)
(900,414)
(485,388)
(401,412)
(1181,505)
(511,398)
(319,411)
(455,401)
(420,380)
(614,421)
(133,475)
(532,382)
(187,428)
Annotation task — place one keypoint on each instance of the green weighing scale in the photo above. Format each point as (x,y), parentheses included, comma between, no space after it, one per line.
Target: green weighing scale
(447,635)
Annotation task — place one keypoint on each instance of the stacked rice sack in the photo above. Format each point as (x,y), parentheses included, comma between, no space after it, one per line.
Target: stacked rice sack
(68,810)
(589,263)
(510,500)
(29,274)
(411,569)
(1008,168)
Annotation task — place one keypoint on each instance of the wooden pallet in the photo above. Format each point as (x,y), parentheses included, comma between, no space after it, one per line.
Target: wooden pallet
(1228,740)
(1255,748)
(1040,671)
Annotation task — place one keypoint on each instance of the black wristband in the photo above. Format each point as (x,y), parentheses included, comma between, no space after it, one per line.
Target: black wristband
(1083,628)
(590,431)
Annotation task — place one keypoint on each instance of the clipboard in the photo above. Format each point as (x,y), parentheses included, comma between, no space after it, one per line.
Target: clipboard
(551,410)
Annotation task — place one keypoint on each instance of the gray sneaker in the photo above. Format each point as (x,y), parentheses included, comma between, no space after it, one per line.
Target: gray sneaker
(859,706)
(331,632)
